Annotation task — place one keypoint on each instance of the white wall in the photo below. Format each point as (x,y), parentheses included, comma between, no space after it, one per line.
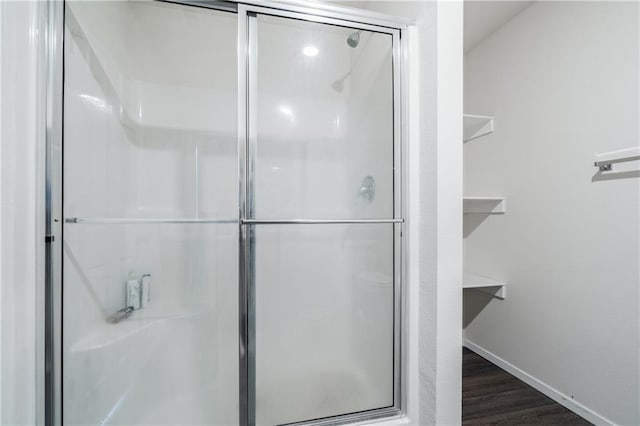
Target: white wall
(562,80)
(1,91)
(22,237)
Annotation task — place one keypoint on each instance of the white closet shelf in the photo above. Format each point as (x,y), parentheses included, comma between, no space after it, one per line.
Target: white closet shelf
(491,205)
(476,126)
(485,284)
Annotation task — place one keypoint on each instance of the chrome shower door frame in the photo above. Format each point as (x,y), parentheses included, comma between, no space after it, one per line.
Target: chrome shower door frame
(51,387)
(52,291)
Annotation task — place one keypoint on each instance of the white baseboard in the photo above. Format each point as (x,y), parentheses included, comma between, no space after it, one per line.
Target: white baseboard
(559,397)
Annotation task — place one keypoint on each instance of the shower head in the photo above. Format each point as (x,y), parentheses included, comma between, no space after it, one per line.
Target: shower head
(354,39)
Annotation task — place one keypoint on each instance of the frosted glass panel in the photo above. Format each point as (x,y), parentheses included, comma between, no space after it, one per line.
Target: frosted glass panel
(149,133)
(324,121)
(324,320)
(323,148)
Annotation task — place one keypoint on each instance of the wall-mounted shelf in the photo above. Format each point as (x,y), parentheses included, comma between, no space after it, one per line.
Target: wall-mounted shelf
(491,205)
(476,126)
(485,284)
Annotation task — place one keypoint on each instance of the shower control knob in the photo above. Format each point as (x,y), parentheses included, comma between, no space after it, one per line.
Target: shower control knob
(367,188)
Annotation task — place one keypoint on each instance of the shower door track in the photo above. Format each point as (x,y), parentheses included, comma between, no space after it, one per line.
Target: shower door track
(50,388)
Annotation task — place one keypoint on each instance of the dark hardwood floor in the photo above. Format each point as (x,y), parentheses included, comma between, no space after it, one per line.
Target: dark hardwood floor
(491,396)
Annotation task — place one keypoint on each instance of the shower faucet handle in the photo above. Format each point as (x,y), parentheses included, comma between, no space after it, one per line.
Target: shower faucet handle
(367,188)
(120,315)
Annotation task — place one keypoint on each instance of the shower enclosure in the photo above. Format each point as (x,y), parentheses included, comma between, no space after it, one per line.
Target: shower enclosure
(226,216)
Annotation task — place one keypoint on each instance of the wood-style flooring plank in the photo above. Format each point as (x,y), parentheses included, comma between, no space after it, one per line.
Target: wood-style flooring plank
(491,396)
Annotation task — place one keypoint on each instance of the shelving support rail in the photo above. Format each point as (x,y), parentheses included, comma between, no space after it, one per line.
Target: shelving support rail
(607,165)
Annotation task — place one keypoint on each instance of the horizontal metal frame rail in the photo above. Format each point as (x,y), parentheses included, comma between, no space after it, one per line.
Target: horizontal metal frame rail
(133,220)
(130,220)
(316,221)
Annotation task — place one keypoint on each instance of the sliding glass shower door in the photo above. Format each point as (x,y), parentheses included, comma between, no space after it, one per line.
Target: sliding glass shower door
(150,240)
(232,223)
(321,207)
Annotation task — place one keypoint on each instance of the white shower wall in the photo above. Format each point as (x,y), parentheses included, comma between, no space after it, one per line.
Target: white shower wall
(561,78)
